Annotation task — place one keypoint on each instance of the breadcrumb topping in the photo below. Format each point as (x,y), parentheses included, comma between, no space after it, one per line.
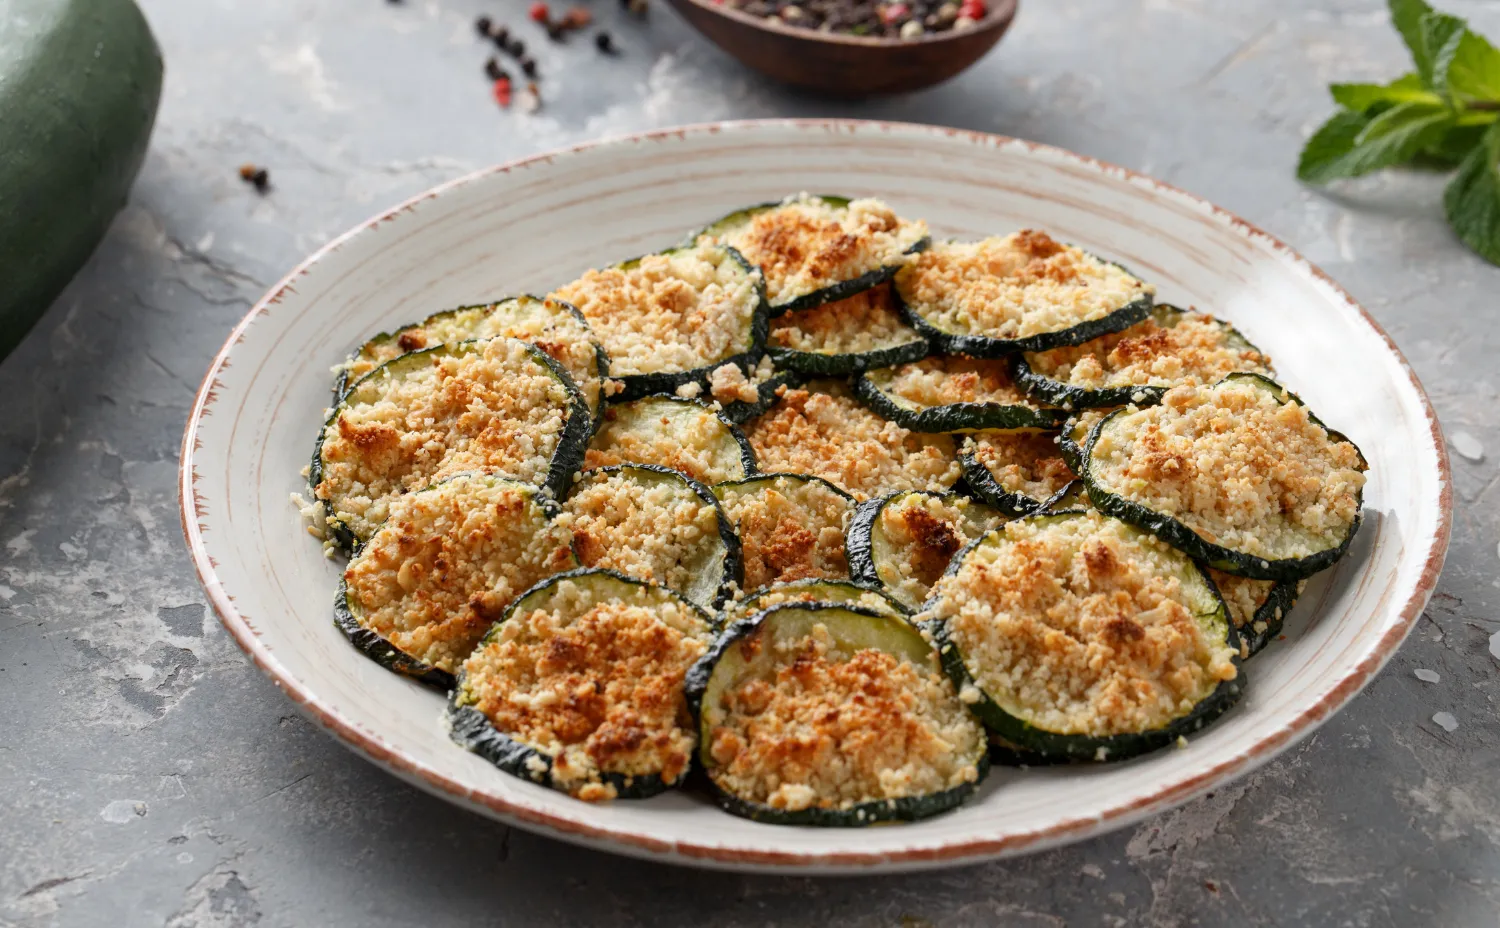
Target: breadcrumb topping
(1237,466)
(1014,287)
(867,321)
(1242,595)
(826,432)
(917,534)
(813,591)
(1024,463)
(1083,625)
(671,312)
(825,726)
(728,384)
(484,405)
(1193,348)
(447,563)
(943,381)
(683,436)
(791,529)
(651,526)
(807,243)
(593,683)
(545,323)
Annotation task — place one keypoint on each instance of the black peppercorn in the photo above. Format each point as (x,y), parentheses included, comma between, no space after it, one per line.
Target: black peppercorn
(501,35)
(482,25)
(493,71)
(517,48)
(556,32)
(528,67)
(605,43)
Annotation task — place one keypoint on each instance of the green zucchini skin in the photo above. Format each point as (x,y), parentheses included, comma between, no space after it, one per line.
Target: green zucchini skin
(601,357)
(375,646)
(1079,748)
(1071,442)
(859,540)
(954,417)
(567,457)
(639,385)
(1073,497)
(833,292)
(908,809)
(817,364)
(1045,389)
(979,483)
(733,572)
(1180,536)
(79,85)
(739,412)
(1273,613)
(469,727)
(983,346)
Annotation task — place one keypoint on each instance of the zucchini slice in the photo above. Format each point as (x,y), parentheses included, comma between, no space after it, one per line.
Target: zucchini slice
(440,411)
(1083,638)
(904,541)
(1017,472)
(767,390)
(670,431)
(1023,292)
(953,394)
(1072,498)
(821,429)
(1239,475)
(846,336)
(743,394)
(443,567)
(1256,607)
(556,327)
(1075,434)
(791,526)
(669,319)
(822,714)
(658,525)
(579,687)
(817,249)
(838,592)
(1170,347)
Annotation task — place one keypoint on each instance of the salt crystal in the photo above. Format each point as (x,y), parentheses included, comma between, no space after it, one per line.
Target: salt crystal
(1467,446)
(1446,720)
(1427,676)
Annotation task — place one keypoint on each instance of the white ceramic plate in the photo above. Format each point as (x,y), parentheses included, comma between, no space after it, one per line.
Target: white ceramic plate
(533,224)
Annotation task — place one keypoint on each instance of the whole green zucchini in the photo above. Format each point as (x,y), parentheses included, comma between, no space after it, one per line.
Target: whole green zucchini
(79,83)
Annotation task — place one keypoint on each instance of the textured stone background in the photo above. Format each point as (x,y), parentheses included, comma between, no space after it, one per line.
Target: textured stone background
(152,777)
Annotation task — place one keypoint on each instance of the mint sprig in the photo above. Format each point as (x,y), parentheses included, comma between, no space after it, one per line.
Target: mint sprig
(1443,114)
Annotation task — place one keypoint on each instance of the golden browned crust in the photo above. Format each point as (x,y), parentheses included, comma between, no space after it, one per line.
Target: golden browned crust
(1025,463)
(1082,626)
(1237,466)
(1198,349)
(1014,287)
(447,563)
(806,244)
(789,529)
(831,729)
(867,321)
(492,406)
(599,694)
(692,440)
(942,381)
(825,432)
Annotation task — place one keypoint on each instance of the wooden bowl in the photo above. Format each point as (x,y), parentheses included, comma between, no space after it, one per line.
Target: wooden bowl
(846,65)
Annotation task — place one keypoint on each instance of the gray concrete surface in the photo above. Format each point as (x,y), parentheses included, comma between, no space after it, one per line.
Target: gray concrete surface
(150,776)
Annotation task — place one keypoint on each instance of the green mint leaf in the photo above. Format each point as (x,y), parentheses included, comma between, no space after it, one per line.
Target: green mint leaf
(1352,144)
(1361,98)
(1452,148)
(1406,16)
(1465,66)
(1472,199)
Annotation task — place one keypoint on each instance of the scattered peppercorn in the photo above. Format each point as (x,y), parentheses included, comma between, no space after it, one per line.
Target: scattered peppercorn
(605,43)
(539,13)
(637,7)
(528,67)
(493,71)
(556,32)
(577,18)
(517,48)
(502,91)
(258,176)
(482,26)
(501,35)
